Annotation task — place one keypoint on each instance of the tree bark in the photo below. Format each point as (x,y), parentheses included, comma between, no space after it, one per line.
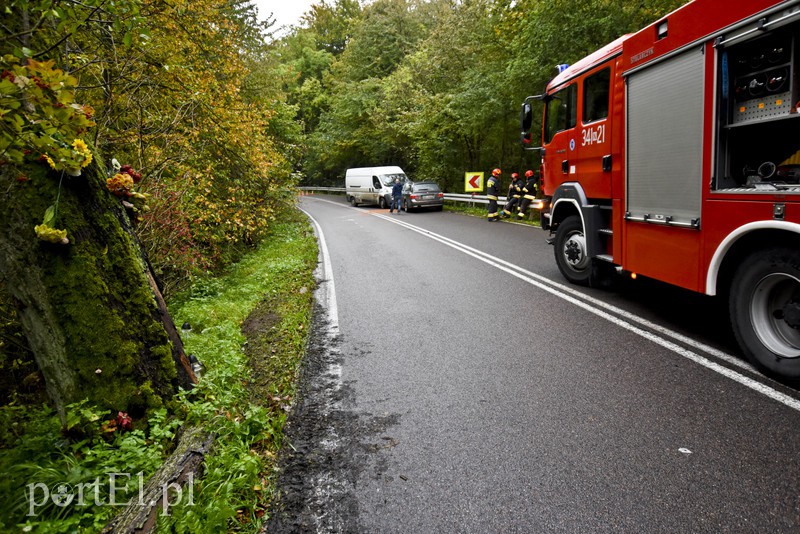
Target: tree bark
(91,310)
(177,472)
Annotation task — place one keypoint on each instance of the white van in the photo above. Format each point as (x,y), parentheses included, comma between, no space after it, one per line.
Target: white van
(372,185)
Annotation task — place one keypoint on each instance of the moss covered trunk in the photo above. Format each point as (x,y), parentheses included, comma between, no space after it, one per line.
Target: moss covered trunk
(91,312)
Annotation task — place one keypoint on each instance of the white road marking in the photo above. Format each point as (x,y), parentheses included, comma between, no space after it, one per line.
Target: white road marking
(597,307)
(328,297)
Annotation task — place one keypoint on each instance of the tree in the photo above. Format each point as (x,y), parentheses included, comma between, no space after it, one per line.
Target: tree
(170,95)
(332,25)
(90,308)
(436,86)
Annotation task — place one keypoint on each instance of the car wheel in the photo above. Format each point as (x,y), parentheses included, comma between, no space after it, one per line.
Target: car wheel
(764,306)
(572,255)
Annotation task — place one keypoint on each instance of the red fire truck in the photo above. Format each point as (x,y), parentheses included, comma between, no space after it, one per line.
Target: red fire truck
(674,153)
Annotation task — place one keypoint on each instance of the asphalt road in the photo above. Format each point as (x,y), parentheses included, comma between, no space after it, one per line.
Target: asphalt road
(463,386)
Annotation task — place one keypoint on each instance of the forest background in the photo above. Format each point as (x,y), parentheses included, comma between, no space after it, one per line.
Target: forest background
(222,119)
(201,121)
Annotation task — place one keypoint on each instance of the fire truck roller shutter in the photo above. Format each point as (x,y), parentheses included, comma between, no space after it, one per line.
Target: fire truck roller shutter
(665,139)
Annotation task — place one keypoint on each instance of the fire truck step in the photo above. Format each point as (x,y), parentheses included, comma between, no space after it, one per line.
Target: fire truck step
(605,257)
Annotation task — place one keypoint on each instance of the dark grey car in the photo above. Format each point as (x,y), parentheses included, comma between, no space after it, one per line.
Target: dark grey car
(422,195)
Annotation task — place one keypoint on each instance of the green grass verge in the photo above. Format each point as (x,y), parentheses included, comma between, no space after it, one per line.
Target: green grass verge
(479,210)
(243,397)
(246,410)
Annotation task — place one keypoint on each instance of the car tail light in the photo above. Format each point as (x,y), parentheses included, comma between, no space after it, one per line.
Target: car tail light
(440,195)
(413,197)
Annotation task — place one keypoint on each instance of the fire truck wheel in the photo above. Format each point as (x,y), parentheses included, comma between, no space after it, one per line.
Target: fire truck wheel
(764,307)
(571,253)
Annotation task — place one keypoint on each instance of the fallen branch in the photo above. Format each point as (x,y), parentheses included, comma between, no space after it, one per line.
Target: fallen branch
(166,487)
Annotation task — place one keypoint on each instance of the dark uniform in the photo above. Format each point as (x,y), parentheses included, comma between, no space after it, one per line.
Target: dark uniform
(492,191)
(397,196)
(528,193)
(514,195)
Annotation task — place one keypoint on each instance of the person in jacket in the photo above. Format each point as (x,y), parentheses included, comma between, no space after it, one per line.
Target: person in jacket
(492,191)
(514,195)
(528,193)
(397,195)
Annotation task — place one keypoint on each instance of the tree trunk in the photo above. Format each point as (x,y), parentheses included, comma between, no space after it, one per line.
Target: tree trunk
(98,327)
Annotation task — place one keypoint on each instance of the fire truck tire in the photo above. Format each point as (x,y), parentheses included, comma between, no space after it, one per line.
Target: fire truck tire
(764,304)
(571,252)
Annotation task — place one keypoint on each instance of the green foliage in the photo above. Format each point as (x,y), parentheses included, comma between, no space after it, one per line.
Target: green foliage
(436,86)
(332,24)
(37,453)
(179,91)
(238,483)
(38,116)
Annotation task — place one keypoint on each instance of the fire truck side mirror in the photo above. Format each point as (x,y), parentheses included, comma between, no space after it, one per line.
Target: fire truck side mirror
(526,117)
(526,123)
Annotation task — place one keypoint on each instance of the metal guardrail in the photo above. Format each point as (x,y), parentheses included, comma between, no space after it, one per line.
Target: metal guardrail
(453,197)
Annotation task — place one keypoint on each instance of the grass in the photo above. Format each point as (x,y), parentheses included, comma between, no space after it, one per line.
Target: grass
(247,384)
(479,210)
(246,411)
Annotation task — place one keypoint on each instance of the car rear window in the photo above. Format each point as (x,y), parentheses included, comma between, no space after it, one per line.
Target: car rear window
(426,187)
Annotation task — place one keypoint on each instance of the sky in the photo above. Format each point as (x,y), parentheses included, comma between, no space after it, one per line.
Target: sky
(287,12)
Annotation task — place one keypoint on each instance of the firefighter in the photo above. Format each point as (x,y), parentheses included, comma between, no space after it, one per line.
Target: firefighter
(492,190)
(528,193)
(514,195)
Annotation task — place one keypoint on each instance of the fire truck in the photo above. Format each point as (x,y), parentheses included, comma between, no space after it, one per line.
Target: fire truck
(674,153)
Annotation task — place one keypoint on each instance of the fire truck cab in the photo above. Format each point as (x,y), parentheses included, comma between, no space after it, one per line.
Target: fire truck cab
(674,153)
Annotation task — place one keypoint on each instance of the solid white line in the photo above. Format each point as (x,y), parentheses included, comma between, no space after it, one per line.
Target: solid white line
(327,284)
(592,305)
(728,358)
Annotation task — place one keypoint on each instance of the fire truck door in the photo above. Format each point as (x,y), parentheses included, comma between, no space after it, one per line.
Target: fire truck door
(561,113)
(592,160)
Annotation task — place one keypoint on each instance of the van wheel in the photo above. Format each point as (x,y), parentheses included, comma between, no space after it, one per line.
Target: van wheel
(353,201)
(764,305)
(382,203)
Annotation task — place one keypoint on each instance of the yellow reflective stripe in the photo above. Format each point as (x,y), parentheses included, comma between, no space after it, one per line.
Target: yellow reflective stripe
(530,197)
(491,197)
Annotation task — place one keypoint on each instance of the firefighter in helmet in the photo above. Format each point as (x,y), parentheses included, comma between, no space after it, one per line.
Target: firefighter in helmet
(514,195)
(492,190)
(528,193)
